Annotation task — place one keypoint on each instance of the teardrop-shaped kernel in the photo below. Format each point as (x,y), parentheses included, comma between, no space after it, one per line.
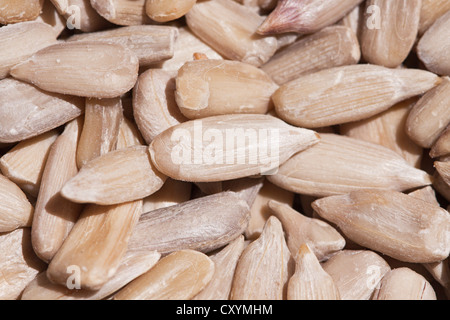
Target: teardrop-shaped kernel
(404,284)
(178,276)
(358,91)
(227,147)
(216,87)
(87,69)
(398,225)
(310,281)
(322,239)
(168,10)
(263,269)
(116,177)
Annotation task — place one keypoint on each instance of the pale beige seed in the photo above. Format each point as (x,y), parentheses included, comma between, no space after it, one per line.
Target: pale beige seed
(116,177)
(173,192)
(390,43)
(305,16)
(154,107)
(321,238)
(426,194)
(18,265)
(225,262)
(51,16)
(129,135)
(247,188)
(19,10)
(151,44)
(122,12)
(20,41)
(260,211)
(433,46)
(207,88)
(442,145)
(440,272)
(443,168)
(398,225)
(243,145)
(168,10)
(202,224)
(339,164)
(179,276)
(331,47)
(88,69)
(230,28)
(383,129)
(186,45)
(24,164)
(310,281)
(15,209)
(354,19)
(286,39)
(359,92)
(404,284)
(132,266)
(55,216)
(27,111)
(430,116)
(100,132)
(263,269)
(79,14)
(431,10)
(96,244)
(356,273)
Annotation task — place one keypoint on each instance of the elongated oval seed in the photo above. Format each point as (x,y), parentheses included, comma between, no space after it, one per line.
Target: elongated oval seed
(390,44)
(227,147)
(225,262)
(398,225)
(433,46)
(15,209)
(19,265)
(122,12)
(116,177)
(88,69)
(132,266)
(310,281)
(431,10)
(216,87)
(194,224)
(356,273)
(55,216)
(230,28)
(430,115)
(404,284)
(179,276)
(168,10)
(24,164)
(263,269)
(96,244)
(358,92)
(305,16)
(151,44)
(20,41)
(331,47)
(19,10)
(339,164)
(154,107)
(321,238)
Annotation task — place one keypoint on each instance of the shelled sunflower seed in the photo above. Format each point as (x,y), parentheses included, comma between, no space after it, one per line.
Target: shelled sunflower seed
(224,150)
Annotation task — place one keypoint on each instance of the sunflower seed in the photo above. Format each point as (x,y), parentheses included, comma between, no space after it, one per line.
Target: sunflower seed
(404,284)
(122,12)
(405,228)
(339,164)
(441,273)
(129,135)
(55,216)
(88,69)
(426,194)
(331,47)
(51,16)
(263,269)
(163,11)
(356,273)
(215,87)
(173,192)
(354,19)
(441,186)
(443,168)
(442,145)
(19,10)
(229,28)
(431,10)
(358,91)
(310,281)
(179,276)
